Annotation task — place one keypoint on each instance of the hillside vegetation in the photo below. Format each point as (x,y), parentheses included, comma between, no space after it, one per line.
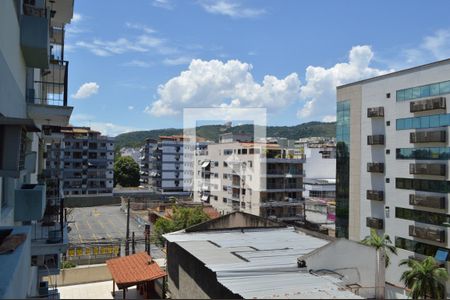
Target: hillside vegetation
(212,132)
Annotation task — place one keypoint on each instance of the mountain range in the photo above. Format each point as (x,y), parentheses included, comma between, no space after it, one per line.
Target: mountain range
(211,132)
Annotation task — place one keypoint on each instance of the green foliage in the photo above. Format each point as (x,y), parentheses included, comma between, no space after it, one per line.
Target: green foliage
(67,264)
(212,132)
(425,279)
(126,172)
(378,242)
(183,217)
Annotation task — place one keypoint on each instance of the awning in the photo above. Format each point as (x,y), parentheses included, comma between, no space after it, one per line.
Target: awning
(28,124)
(134,269)
(205,197)
(205,164)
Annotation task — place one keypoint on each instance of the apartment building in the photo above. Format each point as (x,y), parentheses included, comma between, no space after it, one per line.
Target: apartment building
(392,161)
(81,158)
(256,178)
(33,92)
(148,161)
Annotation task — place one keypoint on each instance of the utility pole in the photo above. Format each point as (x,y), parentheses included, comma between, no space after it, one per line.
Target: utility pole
(147,238)
(127,238)
(133,245)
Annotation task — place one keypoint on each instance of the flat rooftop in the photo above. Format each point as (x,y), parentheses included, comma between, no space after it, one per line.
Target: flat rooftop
(261,263)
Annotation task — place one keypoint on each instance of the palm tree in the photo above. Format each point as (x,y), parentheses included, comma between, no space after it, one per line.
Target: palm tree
(425,279)
(380,242)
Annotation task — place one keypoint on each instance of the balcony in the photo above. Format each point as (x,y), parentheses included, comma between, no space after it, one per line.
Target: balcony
(427,201)
(435,235)
(375,195)
(375,112)
(47,97)
(30,203)
(374,223)
(438,136)
(34,36)
(375,167)
(375,139)
(427,104)
(428,169)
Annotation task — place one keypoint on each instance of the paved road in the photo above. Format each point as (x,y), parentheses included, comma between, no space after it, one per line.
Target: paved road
(105,224)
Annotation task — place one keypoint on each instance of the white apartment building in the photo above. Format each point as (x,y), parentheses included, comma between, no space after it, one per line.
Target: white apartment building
(147,158)
(81,158)
(33,92)
(393,151)
(256,178)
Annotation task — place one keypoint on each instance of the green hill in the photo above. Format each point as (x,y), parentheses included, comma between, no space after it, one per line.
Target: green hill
(212,132)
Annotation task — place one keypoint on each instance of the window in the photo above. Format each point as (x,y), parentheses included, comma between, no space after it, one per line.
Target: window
(425,185)
(388,180)
(388,151)
(429,153)
(388,123)
(432,121)
(424,91)
(422,216)
(388,95)
(417,247)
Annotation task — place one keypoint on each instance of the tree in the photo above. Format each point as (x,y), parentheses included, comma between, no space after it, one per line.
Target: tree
(425,279)
(182,217)
(126,172)
(380,242)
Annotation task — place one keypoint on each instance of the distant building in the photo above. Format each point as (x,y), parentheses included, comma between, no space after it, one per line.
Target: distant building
(131,152)
(257,178)
(83,160)
(147,159)
(240,255)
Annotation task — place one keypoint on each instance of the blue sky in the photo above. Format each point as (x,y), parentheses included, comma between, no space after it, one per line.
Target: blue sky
(135,64)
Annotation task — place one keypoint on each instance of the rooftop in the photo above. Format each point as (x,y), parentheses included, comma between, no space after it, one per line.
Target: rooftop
(261,263)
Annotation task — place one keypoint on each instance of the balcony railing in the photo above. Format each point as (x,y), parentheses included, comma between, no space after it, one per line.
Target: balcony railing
(374,223)
(428,104)
(375,167)
(375,112)
(375,139)
(52,88)
(438,136)
(427,201)
(428,169)
(436,235)
(375,195)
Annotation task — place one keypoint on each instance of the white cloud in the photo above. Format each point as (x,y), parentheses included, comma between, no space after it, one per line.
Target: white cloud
(77,18)
(319,92)
(105,128)
(130,107)
(231,8)
(144,28)
(331,118)
(86,90)
(182,60)
(138,63)
(223,84)
(166,4)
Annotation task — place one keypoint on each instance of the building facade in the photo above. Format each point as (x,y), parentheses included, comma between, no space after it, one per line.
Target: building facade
(33,92)
(257,178)
(392,161)
(81,158)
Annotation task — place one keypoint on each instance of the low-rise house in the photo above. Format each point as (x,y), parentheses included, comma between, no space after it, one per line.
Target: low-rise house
(241,255)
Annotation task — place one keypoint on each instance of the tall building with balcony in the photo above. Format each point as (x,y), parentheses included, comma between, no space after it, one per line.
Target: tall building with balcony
(81,158)
(392,161)
(258,178)
(33,92)
(148,162)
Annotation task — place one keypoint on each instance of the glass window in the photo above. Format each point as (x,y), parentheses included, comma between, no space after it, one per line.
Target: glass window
(426,185)
(417,247)
(415,123)
(401,95)
(434,89)
(408,94)
(424,122)
(444,87)
(425,91)
(421,216)
(434,121)
(416,92)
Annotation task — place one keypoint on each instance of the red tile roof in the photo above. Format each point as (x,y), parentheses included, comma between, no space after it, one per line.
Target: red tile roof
(133,269)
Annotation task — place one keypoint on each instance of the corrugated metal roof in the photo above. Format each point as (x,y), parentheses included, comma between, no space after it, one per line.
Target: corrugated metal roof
(261,263)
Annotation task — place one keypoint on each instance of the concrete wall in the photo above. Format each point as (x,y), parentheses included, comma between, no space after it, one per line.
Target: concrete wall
(82,274)
(188,278)
(360,268)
